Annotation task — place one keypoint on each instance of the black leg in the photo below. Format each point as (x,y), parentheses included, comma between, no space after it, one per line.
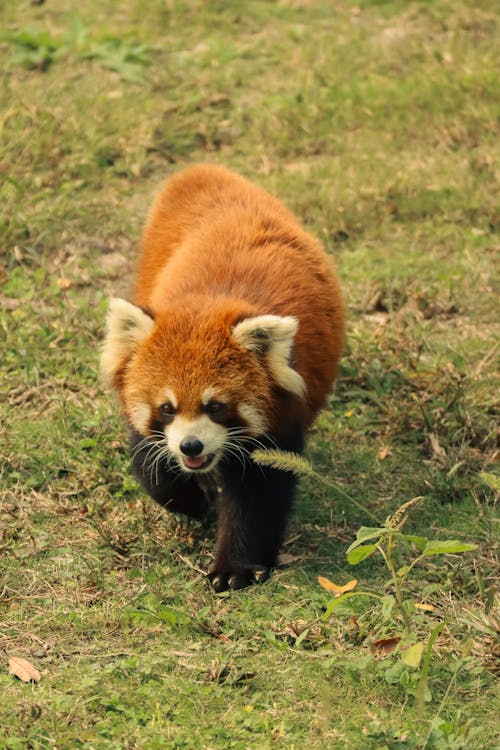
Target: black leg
(253,511)
(178,492)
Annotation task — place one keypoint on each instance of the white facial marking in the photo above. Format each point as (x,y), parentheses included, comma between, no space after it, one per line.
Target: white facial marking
(207,395)
(213,436)
(168,397)
(286,376)
(254,418)
(127,327)
(140,416)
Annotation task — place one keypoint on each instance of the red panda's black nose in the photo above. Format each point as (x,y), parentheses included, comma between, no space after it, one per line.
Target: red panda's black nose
(191,446)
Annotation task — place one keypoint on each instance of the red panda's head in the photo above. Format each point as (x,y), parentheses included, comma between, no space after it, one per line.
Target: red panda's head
(199,383)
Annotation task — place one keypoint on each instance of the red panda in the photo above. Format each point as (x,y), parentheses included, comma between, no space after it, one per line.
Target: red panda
(232,342)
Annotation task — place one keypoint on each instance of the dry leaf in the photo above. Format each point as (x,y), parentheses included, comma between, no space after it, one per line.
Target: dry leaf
(9,303)
(386,645)
(378,317)
(425,607)
(333,588)
(214,100)
(219,98)
(113,263)
(286,559)
(437,449)
(201,47)
(22,669)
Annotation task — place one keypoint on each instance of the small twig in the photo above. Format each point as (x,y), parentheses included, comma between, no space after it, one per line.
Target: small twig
(190,565)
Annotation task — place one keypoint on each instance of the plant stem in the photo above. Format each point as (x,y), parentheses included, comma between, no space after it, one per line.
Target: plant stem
(443,701)
(337,488)
(387,555)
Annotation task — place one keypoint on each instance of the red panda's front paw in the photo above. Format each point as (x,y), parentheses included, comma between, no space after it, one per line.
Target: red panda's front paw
(235,577)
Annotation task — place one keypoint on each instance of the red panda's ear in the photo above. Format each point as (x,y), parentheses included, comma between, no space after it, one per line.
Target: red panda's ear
(271,336)
(127,325)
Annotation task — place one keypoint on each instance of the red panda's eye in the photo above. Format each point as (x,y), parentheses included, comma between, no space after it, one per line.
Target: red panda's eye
(215,409)
(167,412)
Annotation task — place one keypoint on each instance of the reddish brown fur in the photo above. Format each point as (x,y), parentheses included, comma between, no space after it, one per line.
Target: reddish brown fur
(217,249)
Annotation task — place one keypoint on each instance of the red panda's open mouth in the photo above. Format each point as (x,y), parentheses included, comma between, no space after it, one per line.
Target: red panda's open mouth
(197,462)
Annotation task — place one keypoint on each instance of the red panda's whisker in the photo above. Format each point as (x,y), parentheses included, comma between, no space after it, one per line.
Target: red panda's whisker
(163,453)
(147,458)
(149,440)
(254,442)
(149,461)
(143,446)
(242,434)
(140,445)
(237,433)
(238,451)
(157,451)
(154,465)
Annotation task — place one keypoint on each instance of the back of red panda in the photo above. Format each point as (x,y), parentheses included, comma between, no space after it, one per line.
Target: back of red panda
(233,342)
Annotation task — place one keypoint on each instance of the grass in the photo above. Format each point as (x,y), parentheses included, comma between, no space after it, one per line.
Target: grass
(377,122)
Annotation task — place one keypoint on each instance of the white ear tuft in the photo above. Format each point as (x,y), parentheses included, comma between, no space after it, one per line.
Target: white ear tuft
(127,325)
(272,337)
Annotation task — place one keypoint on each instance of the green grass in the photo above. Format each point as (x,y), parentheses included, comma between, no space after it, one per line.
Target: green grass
(377,122)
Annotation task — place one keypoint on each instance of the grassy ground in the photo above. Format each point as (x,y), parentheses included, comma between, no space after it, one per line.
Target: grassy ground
(377,122)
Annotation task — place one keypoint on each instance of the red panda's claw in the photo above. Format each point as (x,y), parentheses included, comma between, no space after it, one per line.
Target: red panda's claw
(237,579)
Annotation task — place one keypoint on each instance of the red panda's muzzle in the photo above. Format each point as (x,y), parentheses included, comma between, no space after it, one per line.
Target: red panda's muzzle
(192,453)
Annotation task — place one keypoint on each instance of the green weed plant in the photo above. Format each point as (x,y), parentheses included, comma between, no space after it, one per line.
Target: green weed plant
(37,49)
(399,613)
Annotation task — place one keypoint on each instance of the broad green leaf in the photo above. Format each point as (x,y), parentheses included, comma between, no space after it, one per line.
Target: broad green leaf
(422,692)
(88,443)
(394,673)
(167,615)
(418,541)
(447,547)
(369,532)
(412,655)
(335,603)
(342,600)
(162,614)
(355,556)
(302,636)
(387,606)
(142,614)
(430,645)
(364,533)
